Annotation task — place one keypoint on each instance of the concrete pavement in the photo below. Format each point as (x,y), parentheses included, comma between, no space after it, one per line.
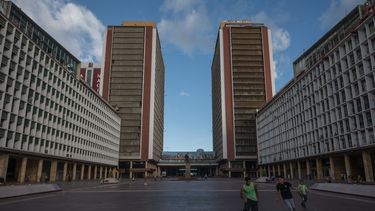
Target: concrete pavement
(213,194)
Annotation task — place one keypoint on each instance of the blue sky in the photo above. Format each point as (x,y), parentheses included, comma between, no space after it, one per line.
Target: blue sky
(188,30)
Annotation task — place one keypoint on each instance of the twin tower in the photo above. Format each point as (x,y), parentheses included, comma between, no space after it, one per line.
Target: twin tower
(242,82)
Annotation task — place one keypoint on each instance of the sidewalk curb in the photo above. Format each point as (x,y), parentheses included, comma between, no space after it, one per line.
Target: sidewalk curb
(28,194)
(26,190)
(349,194)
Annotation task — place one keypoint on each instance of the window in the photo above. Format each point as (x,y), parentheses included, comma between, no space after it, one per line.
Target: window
(361,122)
(369,119)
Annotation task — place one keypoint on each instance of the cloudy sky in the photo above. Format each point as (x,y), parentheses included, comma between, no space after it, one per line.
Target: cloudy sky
(188,30)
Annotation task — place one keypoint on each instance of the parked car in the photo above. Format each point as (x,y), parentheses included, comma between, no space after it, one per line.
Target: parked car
(109,180)
(263,179)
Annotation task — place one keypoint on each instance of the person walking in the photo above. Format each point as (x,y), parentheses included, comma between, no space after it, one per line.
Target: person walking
(284,188)
(302,191)
(249,194)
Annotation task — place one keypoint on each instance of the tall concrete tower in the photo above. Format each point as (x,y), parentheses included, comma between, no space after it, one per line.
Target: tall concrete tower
(133,82)
(242,82)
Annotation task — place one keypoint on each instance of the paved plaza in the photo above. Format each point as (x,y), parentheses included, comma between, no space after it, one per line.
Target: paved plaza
(212,194)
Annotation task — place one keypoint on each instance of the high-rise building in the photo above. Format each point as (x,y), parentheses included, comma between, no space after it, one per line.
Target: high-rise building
(321,124)
(52,126)
(242,82)
(133,82)
(90,73)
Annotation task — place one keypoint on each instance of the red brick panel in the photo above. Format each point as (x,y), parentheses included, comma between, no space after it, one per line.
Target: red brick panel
(96,79)
(107,64)
(83,73)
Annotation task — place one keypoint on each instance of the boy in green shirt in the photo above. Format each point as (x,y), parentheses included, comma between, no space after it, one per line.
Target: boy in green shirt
(302,191)
(249,194)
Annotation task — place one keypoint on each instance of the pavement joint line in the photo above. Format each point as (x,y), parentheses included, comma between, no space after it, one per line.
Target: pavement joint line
(141,191)
(91,187)
(161,190)
(26,199)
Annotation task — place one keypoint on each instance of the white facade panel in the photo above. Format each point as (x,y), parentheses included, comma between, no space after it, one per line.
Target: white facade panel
(330,107)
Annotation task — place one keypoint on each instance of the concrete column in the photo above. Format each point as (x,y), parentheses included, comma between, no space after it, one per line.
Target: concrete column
(319,168)
(114,172)
(348,167)
(65,171)
(83,171)
(299,170)
(4,158)
(284,169)
(278,170)
(229,172)
(146,167)
(187,171)
(89,172)
(105,172)
(291,170)
(22,171)
(217,171)
(308,169)
(53,171)
(74,171)
(367,164)
(332,168)
(244,168)
(95,171)
(273,171)
(131,172)
(101,172)
(39,171)
(268,171)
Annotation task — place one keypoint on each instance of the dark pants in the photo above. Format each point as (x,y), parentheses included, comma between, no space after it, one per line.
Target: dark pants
(304,199)
(250,204)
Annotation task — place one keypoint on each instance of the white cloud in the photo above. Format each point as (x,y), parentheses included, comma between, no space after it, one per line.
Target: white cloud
(336,10)
(184,94)
(274,67)
(280,36)
(186,25)
(74,26)
(178,5)
(280,40)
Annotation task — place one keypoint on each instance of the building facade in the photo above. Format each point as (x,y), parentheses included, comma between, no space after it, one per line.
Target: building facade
(52,125)
(90,73)
(133,82)
(321,124)
(242,82)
